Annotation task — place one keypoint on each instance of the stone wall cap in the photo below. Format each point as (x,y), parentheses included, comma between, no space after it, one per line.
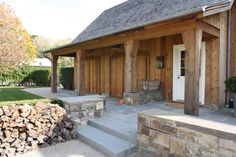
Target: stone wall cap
(196,123)
(82,99)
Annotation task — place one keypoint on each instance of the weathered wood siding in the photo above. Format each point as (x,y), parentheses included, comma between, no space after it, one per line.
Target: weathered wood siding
(117,75)
(93,75)
(216,51)
(212,72)
(143,68)
(233,42)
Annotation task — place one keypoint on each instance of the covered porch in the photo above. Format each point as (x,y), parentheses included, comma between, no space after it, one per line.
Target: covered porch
(115,64)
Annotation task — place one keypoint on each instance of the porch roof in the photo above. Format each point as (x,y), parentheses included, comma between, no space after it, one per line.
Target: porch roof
(137,13)
(134,14)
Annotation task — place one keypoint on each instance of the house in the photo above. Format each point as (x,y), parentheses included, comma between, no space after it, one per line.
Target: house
(41,62)
(193,39)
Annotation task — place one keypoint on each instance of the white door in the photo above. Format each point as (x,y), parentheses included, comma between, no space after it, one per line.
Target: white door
(179,74)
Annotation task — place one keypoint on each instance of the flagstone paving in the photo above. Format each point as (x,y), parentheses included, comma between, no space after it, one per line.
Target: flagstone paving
(73,148)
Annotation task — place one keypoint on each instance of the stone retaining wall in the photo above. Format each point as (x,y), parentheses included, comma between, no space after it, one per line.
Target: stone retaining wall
(83,108)
(164,134)
(24,128)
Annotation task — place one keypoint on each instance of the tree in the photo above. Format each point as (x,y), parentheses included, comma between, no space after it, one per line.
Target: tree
(64,61)
(16,47)
(41,44)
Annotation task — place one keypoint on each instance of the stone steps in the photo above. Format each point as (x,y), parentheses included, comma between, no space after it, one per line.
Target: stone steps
(115,128)
(109,136)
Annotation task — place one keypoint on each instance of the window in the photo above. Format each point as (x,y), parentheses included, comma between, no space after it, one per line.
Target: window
(182,62)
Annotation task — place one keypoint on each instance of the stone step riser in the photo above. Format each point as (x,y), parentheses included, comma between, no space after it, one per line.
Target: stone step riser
(108,144)
(97,146)
(113,132)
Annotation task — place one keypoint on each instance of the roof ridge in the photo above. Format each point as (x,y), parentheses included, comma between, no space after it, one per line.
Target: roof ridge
(115,6)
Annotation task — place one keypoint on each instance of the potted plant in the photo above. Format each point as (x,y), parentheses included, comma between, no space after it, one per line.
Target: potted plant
(230,84)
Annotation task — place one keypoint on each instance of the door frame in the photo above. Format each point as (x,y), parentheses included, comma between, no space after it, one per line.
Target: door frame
(202,73)
(176,48)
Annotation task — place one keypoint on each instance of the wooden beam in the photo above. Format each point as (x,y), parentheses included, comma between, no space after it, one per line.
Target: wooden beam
(131,51)
(141,34)
(210,29)
(54,74)
(80,62)
(192,41)
(148,32)
(222,58)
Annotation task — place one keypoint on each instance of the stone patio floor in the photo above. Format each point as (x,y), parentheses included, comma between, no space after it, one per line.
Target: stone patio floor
(73,148)
(128,114)
(46,92)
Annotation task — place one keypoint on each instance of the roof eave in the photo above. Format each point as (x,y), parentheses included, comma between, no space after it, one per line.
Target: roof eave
(60,47)
(214,9)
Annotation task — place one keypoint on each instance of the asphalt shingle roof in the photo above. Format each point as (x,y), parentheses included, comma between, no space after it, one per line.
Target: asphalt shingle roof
(137,13)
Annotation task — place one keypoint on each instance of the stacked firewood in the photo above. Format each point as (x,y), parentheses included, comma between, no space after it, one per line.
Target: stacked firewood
(25,128)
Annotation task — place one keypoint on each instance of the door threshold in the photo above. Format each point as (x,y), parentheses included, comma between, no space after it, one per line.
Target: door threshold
(175,104)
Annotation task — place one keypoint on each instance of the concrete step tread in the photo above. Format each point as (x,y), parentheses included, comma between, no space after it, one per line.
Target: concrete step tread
(105,142)
(116,125)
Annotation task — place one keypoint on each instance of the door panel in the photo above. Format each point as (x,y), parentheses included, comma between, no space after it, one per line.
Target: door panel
(93,75)
(117,76)
(142,69)
(179,73)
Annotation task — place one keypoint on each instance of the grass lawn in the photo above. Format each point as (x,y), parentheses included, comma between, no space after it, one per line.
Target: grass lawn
(15,95)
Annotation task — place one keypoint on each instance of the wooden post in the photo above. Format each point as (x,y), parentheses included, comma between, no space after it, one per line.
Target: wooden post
(54,74)
(80,62)
(192,41)
(131,50)
(222,58)
(75,73)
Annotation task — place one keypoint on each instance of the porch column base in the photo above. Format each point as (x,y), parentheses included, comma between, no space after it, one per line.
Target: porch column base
(144,97)
(132,98)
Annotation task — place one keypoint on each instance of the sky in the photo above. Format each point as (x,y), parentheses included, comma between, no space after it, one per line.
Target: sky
(59,19)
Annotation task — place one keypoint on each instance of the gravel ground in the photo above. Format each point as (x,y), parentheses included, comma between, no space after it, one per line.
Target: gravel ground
(73,148)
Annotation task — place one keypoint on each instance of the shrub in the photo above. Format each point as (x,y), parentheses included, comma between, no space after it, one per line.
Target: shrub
(230,84)
(57,101)
(21,102)
(67,78)
(41,77)
(27,74)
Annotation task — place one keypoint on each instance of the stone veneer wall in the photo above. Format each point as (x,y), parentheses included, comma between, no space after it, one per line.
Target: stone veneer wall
(82,109)
(165,134)
(150,92)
